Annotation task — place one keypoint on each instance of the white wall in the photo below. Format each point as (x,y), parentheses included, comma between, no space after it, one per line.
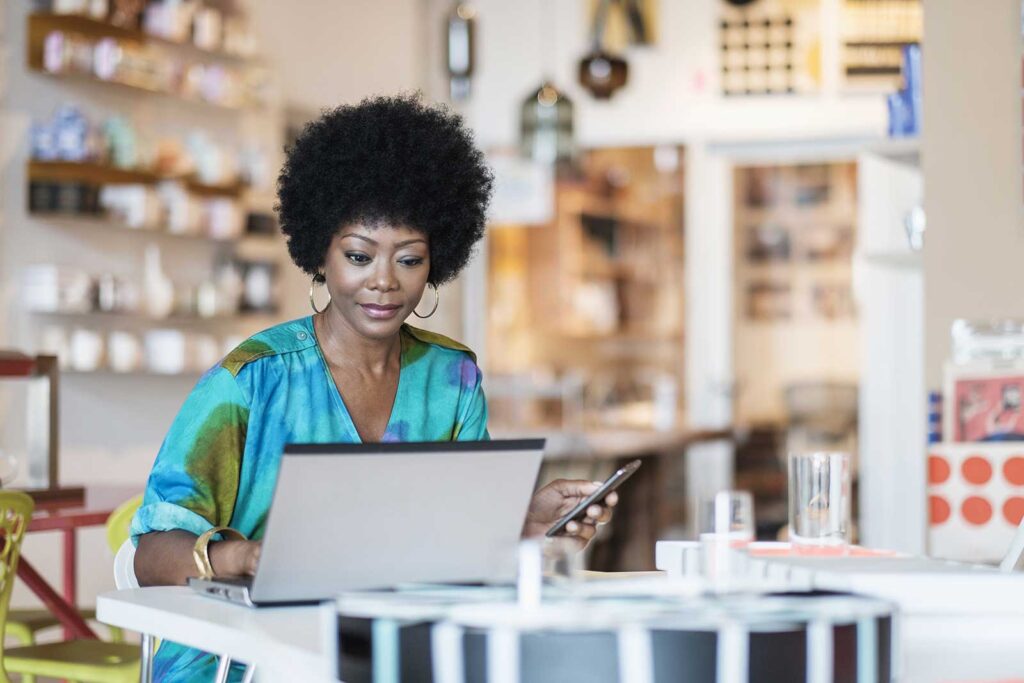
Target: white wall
(329,52)
(672,94)
(971,154)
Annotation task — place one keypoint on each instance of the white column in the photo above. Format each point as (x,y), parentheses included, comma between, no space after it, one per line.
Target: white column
(709,315)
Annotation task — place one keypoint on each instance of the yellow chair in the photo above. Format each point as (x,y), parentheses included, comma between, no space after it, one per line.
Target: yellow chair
(87,661)
(24,624)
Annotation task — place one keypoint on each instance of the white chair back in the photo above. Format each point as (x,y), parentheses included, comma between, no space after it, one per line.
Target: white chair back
(124,567)
(1014,558)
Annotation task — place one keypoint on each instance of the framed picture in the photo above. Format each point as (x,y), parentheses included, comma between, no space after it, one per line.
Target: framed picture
(984,405)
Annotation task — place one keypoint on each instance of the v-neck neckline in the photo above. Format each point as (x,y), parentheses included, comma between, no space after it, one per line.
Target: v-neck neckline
(340,400)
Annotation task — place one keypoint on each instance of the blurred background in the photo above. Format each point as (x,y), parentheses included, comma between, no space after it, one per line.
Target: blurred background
(707,246)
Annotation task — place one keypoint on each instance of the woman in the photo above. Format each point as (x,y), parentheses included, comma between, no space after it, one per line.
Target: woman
(379,201)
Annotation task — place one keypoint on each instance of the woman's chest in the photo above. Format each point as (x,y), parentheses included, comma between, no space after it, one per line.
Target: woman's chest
(368,401)
(327,409)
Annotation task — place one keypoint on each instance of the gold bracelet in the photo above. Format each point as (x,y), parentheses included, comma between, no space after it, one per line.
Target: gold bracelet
(201,550)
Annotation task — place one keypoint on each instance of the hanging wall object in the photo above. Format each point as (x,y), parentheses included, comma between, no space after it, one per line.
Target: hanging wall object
(757,56)
(628,23)
(546,115)
(770,48)
(546,125)
(601,72)
(874,36)
(460,37)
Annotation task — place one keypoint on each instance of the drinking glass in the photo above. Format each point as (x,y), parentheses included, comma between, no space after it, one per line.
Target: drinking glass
(563,561)
(819,498)
(728,515)
(725,523)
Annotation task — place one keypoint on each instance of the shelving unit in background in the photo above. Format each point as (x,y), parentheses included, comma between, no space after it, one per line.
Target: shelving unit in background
(595,293)
(795,326)
(242,109)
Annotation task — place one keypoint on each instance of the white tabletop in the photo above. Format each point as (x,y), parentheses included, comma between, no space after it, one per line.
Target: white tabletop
(284,643)
(957,622)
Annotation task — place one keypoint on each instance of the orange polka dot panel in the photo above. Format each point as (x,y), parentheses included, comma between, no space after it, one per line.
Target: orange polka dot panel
(1013,470)
(976,510)
(976,469)
(938,509)
(1013,510)
(938,469)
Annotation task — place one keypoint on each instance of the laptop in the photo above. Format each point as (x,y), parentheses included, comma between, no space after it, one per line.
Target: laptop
(367,516)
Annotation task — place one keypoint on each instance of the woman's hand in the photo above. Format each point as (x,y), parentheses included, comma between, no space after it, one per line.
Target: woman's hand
(559,497)
(234,558)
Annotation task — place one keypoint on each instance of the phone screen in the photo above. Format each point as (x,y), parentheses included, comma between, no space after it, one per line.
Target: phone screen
(610,484)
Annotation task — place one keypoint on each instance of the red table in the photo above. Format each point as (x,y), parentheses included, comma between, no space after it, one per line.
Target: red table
(60,516)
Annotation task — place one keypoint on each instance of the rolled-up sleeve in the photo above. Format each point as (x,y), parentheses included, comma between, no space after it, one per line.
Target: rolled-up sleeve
(194,482)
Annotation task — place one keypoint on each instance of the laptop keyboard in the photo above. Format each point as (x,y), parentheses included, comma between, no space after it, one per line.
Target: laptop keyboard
(235,580)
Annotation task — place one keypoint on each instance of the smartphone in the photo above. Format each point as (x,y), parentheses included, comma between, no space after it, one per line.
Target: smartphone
(612,483)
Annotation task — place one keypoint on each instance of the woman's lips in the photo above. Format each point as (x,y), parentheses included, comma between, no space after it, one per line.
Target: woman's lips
(381,312)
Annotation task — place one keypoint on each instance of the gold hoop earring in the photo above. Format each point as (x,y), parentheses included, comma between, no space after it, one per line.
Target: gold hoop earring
(318,280)
(437,300)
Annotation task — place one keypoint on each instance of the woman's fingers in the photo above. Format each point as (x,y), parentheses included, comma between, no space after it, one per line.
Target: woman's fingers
(583,530)
(600,516)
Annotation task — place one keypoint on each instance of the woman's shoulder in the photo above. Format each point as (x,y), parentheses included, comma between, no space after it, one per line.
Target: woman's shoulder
(429,341)
(288,337)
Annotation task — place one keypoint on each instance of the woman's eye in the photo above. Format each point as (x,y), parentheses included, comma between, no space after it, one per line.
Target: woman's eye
(357,258)
(412,261)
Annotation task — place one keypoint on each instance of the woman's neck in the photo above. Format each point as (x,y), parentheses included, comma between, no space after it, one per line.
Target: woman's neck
(342,346)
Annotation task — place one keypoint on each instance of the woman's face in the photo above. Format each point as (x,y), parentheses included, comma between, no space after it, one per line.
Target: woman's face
(376,276)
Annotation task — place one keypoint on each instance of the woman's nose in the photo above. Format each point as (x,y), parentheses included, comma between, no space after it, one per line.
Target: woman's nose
(383,278)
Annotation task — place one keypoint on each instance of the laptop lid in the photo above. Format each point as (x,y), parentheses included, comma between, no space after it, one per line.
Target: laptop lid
(354,516)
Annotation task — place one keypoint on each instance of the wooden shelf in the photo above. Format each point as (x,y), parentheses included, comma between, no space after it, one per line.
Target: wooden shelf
(856,70)
(103,174)
(881,43)
(40,25)
(95,28)
(174,319)
(134,89)
(101,222)
(626,336)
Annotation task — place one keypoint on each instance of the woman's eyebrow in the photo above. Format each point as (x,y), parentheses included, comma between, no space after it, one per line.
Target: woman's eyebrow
(403,243)
(359,237)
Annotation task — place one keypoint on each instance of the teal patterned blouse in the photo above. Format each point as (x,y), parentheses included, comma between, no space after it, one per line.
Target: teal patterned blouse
(218,464)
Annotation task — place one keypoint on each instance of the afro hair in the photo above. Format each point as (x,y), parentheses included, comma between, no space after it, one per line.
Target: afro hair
(386,160)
